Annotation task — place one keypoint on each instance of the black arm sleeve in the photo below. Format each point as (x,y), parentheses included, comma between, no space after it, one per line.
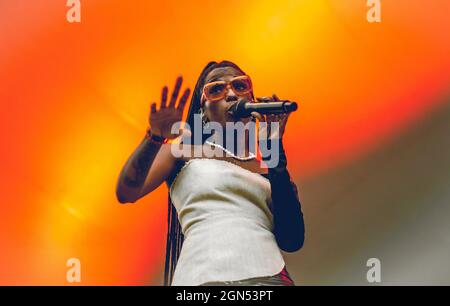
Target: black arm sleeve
(289,227)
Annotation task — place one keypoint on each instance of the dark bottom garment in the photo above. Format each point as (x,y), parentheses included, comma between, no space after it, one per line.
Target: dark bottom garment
(281,279)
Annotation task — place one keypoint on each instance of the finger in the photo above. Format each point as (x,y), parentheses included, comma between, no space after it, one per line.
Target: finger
(284,121)
(183,99)
(175,92)
(271,118)
(263,99)
(258,116)
(279,119)
(153,108)
(275,97)
(164,96)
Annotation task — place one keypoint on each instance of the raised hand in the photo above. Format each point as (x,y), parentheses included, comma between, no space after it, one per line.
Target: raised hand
(265,131)
(161,120)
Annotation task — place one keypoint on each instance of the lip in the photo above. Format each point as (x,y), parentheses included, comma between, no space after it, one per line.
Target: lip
(231,105)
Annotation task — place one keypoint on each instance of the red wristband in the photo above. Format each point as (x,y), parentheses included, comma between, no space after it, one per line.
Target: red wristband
(155,138)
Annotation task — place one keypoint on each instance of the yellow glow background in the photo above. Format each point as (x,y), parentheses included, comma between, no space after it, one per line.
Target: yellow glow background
(75,101)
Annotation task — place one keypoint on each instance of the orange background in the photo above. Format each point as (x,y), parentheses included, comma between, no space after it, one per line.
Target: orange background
(75,100)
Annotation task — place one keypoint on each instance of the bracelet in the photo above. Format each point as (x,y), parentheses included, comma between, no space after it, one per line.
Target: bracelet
(155,138)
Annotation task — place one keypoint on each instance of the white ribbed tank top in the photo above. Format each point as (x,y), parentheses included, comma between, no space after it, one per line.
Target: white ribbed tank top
(227,224)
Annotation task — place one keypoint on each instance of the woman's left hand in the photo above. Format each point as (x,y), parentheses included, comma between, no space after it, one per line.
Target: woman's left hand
(265,131)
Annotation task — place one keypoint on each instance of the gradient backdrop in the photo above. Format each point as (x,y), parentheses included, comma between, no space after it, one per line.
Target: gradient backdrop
(369,146)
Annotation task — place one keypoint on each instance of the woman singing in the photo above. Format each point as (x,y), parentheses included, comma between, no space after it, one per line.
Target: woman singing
(229,216)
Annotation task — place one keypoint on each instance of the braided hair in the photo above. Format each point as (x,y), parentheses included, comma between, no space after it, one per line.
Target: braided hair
(175,236)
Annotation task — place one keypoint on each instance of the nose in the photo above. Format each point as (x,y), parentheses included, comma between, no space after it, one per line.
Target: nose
(231,96)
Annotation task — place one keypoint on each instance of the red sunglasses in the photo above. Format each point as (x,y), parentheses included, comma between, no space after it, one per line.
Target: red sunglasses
(216,91)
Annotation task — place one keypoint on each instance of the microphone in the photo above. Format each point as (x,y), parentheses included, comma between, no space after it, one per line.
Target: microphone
(244,108)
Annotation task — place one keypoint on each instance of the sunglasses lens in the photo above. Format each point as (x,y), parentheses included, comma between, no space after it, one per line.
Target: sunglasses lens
(241,86)
(215,91)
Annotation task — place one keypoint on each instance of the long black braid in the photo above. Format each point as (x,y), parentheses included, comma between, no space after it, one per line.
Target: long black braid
(175,236)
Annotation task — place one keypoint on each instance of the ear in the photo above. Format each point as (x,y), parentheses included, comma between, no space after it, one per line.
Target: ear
(202,100)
